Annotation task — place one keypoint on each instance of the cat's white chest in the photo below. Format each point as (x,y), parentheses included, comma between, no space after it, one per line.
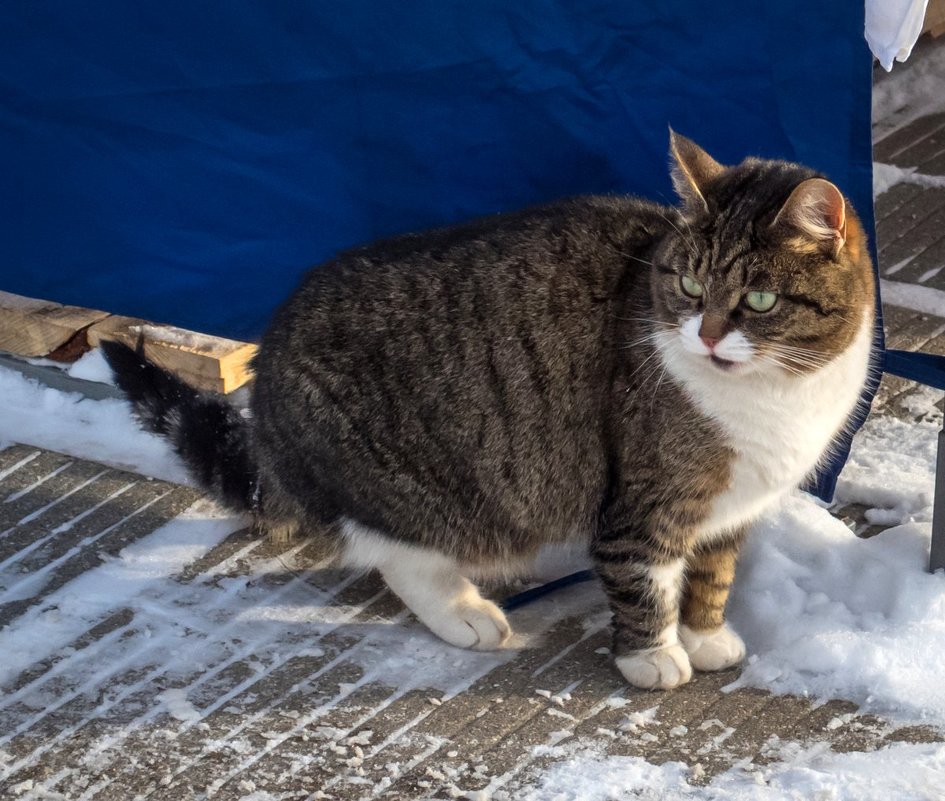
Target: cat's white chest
(778,426)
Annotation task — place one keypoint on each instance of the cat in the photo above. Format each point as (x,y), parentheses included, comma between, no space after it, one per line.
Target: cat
(645,378)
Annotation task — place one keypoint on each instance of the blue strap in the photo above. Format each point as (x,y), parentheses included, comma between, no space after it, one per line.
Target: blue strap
(925,368)
(526,597)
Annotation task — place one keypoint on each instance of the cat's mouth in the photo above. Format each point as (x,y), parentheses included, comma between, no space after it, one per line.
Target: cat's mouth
(723,364)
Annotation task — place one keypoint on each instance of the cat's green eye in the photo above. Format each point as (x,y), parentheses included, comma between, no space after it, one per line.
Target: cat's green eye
(761,301)
(690,286)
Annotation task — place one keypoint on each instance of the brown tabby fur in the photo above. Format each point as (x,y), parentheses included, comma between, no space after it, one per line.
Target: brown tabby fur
(487,389)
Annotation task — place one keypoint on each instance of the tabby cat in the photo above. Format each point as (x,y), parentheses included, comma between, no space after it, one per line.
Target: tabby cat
(647,379)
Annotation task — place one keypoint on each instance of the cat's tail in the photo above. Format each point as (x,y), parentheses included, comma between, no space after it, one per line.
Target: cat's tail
(208,433)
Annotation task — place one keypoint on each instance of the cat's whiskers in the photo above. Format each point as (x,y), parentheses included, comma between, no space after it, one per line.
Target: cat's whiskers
(801,359)
(641,366)
(769,359)
(659,381)
(647,338)
(648,320)
(637,258)
(689,243)
(795,349)
(657,368)
(799,356)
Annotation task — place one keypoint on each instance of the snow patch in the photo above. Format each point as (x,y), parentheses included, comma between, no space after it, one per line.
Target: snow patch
(178,706)
(886,176)
(102,430)
(92,366)
(829,615)
(47,628)
(925,299)
(815,772)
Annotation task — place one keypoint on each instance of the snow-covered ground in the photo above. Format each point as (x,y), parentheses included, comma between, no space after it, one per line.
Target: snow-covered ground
(812,773)
(825,614)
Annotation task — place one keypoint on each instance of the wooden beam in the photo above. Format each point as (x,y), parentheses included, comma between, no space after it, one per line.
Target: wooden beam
(30,327)
(203,361)
(34,328)
(935,18)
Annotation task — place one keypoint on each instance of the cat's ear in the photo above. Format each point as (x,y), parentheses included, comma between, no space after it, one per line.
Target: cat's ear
(692,169)
(816,208)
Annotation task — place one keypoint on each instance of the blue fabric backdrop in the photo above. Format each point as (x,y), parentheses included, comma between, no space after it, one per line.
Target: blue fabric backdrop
(185,162)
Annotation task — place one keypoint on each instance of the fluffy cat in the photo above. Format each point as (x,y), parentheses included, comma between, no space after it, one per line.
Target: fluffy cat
(645,378)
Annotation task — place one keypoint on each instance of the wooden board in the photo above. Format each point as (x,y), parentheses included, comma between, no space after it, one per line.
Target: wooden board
(30,327)
(203,361)
(38,328)
(935,18)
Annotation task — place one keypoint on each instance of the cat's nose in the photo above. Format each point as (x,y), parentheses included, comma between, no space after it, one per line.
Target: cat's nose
(709,342)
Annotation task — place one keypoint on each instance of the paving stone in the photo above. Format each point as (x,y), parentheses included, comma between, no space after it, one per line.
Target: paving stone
(898,147)
(920,144)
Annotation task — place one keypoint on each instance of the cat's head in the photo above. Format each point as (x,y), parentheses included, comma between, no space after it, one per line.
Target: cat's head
(767,268)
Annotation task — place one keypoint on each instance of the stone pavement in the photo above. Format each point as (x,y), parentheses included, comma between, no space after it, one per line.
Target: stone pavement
(206,685)
(250,675)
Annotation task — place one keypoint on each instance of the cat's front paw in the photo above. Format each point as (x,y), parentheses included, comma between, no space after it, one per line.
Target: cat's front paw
(712,650)
(660,669)
(470,622)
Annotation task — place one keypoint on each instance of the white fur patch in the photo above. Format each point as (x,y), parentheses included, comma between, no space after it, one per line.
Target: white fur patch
(667,582)
(718,649)
(733,347)
(667,578)
(431,586)
(779,425)
(660,669)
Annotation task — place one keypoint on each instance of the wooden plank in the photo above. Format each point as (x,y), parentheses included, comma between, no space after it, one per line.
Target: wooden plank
(935,18)
(204,361)
(30,327)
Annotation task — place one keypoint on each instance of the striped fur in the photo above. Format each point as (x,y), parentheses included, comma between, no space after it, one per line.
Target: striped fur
(443,404)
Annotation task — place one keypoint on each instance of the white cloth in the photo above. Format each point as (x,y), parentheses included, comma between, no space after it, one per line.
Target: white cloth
(892,28)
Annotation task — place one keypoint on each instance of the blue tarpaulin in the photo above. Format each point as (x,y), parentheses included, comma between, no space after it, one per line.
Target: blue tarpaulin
(186,162)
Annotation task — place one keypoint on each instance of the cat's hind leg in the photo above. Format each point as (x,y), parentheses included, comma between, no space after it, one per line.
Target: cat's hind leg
(431,586)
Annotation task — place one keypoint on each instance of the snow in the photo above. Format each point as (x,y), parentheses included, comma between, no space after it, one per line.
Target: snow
(823,613)
(103,431)
(925,299)
(130,578)
(827,614)
(886,176)
(91,366)
(809,773)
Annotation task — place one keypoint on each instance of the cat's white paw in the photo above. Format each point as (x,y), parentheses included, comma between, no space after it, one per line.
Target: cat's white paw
(469,622)
(660,669)
(712,650)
